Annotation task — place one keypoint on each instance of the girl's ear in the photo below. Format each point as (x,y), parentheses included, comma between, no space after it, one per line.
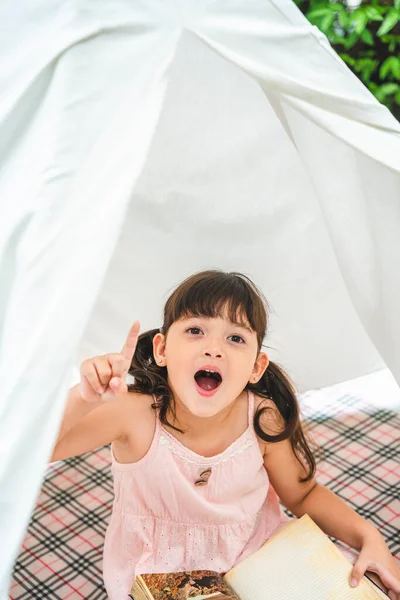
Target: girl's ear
(259,368)
(159,349)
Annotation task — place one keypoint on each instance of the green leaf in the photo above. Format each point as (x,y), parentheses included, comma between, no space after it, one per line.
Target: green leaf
(389,88)
(390,65)
(338,7)
(373,87)
(351,40)
(334,38)
(367,37)
(384,92)
(348,59)
(366,66)
(327,23)
(389,22)
(321,12)
(368,70)
(385,68)
(344,19)
(360,20)
(373,13)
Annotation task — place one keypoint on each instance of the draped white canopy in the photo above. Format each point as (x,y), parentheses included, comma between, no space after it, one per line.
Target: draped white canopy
(144,140)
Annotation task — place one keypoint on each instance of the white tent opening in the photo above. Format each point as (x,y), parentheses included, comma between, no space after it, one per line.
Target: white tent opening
(143,141)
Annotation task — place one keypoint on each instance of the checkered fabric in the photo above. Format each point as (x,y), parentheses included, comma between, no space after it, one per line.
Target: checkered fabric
(61,555)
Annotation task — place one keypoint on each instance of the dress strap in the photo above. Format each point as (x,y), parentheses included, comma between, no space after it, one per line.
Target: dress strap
(251,408)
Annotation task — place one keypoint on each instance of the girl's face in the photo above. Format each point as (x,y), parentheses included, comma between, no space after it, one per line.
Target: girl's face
(195,345)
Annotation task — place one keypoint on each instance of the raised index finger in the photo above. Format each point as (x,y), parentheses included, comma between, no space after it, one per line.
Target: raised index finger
(129,347)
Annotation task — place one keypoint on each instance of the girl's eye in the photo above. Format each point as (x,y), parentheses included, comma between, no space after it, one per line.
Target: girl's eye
(238,337)
(196,330)
(191,329)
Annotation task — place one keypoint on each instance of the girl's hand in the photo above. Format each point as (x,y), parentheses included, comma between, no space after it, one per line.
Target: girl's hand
(375,556)
(102,377)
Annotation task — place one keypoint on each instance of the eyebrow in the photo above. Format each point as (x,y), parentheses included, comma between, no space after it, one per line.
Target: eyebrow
(242,326)
(236,323)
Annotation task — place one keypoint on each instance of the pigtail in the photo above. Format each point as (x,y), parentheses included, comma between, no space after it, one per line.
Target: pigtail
(276,385)
(150,378)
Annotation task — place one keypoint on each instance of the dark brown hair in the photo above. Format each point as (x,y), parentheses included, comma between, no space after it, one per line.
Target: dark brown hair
(209,294)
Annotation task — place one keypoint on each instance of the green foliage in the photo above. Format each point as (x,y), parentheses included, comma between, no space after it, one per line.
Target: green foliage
(367,38)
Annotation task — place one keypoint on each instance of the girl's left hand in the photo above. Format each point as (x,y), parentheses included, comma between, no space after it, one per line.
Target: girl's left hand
(375,556)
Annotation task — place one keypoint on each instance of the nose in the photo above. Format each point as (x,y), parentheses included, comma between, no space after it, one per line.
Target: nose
(213,353)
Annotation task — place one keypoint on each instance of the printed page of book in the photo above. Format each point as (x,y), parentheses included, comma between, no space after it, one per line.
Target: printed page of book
(193,585)
(299,562)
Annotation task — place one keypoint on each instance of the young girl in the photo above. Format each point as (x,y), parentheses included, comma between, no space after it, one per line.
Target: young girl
(204,442)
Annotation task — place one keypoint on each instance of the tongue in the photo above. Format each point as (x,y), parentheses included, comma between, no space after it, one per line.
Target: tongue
(207,383)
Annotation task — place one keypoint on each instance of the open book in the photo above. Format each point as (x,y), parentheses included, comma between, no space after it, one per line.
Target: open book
(298,562)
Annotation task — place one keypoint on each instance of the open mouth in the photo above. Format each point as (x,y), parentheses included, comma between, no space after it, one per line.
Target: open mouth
(208,380)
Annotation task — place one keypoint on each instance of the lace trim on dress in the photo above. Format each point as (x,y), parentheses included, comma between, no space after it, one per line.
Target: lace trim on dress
(241,444)
(163,440)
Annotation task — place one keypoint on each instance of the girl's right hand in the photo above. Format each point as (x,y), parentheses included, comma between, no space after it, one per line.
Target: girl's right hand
(103,377)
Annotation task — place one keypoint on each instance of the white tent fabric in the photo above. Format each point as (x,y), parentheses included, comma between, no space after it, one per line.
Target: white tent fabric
(143,140)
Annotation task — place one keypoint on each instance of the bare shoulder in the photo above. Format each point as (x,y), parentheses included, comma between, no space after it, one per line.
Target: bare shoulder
(136,408)
(136,401)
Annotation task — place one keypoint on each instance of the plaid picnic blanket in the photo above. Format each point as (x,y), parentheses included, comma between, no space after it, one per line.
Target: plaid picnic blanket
(61,555)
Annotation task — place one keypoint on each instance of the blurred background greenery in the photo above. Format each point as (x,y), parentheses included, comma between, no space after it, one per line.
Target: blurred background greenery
(366,35)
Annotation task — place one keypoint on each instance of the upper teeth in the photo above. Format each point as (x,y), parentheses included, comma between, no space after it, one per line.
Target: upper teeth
(209,371)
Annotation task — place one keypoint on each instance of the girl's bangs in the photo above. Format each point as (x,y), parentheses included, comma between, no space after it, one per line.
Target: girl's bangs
(231,297)
(223,307)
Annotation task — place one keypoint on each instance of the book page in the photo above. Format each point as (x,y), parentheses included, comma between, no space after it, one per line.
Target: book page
(299,562)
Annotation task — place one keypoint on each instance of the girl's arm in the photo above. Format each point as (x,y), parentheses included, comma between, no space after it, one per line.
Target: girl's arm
(328,511)
(98,408)
(106,423)
(331,514)
(336,518)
